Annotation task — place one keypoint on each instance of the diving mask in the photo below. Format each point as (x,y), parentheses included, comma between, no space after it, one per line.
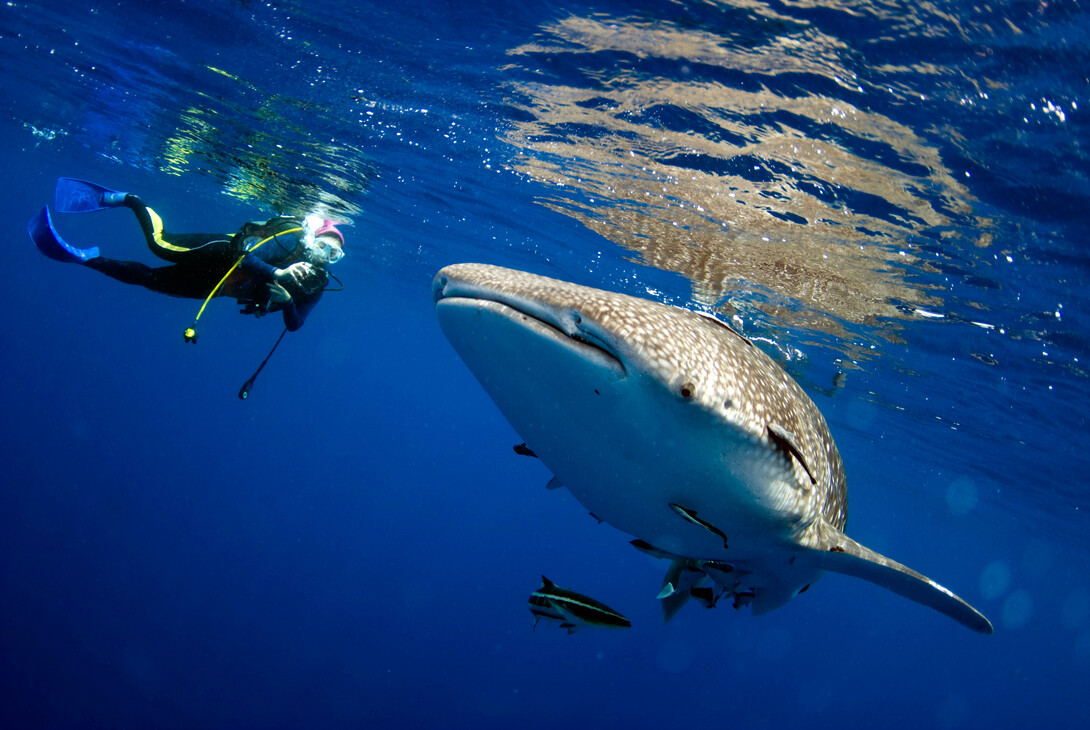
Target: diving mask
(325,250)
(324,243)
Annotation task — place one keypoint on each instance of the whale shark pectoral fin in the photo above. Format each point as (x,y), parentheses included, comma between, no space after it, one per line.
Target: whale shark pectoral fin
(649,549)
(840,554)
(671,582)
(673,603)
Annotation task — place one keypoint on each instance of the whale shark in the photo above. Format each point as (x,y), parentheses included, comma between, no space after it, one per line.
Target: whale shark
(673,427)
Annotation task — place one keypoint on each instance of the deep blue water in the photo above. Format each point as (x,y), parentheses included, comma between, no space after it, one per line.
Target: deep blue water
(893,191)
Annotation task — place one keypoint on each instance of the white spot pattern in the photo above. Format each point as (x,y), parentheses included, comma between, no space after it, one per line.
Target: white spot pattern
(680,347)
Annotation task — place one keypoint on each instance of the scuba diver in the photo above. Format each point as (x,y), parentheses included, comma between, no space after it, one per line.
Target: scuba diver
(276,266)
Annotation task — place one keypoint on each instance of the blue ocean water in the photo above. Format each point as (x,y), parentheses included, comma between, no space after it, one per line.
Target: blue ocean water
(887,196)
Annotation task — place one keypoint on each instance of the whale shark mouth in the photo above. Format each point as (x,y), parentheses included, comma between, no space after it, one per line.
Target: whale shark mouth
(565,328)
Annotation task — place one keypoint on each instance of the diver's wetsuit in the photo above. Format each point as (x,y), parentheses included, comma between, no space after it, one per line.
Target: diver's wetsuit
(199,261)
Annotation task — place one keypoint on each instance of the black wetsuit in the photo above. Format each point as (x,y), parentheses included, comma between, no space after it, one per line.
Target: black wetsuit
(199,261)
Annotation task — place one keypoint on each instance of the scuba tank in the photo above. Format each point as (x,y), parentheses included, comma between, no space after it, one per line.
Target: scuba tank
(284,232)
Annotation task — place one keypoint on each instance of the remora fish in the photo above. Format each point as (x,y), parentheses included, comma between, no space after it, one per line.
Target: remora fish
(572,610)
(640,408)
(688,577)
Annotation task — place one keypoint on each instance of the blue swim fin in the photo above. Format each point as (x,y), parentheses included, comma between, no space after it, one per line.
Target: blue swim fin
(80,196)
(45,237)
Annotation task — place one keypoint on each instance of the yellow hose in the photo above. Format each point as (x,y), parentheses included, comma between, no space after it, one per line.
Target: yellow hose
(190,334)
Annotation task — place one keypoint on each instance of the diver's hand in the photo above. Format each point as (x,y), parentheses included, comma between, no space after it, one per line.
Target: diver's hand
(278,296)
(295,275)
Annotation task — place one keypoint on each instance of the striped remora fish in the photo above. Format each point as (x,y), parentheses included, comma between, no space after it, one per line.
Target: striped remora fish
(572,610)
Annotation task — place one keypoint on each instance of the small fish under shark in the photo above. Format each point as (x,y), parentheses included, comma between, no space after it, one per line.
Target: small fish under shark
(673,427)
(572,610)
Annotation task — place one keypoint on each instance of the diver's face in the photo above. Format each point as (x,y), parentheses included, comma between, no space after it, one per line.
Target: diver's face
(325,250)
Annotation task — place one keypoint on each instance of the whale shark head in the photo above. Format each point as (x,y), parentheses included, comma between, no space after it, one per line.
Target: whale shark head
(672,427)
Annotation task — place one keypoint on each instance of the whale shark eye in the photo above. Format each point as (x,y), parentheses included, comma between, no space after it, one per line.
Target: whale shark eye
(688,390)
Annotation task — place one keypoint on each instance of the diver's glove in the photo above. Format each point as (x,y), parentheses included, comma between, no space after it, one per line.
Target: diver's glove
(295,275)
(301,278)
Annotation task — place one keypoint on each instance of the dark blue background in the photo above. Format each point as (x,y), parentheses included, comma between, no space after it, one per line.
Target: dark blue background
(354,545)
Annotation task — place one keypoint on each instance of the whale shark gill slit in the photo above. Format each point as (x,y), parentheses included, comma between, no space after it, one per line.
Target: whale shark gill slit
(786,442)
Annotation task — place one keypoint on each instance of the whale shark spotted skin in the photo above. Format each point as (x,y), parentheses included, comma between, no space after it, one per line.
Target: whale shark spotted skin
(674,428)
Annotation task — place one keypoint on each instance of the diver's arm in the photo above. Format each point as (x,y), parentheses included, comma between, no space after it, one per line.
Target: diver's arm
(296,310)
(299,303)
(294,276)
(263,270)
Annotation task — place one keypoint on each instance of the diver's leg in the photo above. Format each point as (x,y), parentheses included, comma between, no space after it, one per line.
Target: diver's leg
(176,280)
(171,246)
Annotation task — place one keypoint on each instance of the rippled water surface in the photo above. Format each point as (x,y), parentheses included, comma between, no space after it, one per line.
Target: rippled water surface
(890,198)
